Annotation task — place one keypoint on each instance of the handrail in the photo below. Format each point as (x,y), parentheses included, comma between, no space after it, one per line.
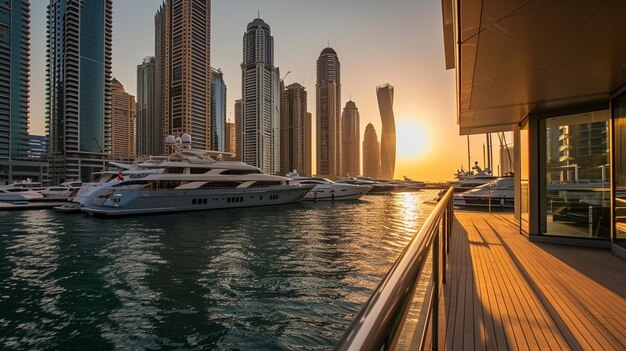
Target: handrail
(378,324)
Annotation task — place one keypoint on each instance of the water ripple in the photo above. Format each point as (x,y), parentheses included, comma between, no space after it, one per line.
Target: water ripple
(287,277)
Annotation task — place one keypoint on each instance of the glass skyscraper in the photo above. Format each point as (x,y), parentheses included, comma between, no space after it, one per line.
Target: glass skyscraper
(328,105)
(14,78)
(218,110)
(149,138)
(78,118)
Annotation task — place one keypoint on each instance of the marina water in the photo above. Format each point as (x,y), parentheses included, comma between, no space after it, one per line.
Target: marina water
(282,277)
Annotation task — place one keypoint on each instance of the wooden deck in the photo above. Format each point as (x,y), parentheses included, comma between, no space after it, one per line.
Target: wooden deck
(504,292)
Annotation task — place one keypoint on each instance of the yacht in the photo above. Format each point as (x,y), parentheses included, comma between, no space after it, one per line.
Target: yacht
(498,193)
(61,192)
(327,190)
(377,188)
(18,194)
(193,180)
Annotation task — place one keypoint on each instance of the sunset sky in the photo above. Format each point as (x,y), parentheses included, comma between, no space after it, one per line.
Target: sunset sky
(398,42)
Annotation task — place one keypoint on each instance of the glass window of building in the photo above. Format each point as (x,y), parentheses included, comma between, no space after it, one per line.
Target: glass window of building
(619,133)
(575,192)
(524,176)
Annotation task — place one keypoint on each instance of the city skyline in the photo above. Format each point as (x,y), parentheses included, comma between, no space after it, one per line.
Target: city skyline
(424,92)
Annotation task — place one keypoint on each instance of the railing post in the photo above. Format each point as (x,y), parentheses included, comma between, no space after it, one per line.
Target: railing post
(444,256)
(435,310)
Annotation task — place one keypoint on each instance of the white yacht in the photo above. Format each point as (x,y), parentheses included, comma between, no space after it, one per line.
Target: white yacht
(500,193)
(193,180)
(18,194)
(61,192)
(377,188)
(327,190)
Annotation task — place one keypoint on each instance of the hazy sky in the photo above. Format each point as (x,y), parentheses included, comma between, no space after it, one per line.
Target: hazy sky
(397,41)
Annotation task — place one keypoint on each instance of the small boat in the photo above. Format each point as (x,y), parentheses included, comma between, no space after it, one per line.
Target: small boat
(327,190)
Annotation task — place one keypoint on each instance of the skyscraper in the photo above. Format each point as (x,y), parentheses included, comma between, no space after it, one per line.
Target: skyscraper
(183,47)
(149,138)
(78,86)
(229,138)
(260,99)
(14,78)
(350,140)
(238,129)
(218,110)
(388,134)
(293,130)
(328,105)
(308,145)
(123,130)
(371,153)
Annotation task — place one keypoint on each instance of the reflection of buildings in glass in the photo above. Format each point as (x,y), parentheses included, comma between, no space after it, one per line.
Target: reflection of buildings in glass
(583,151)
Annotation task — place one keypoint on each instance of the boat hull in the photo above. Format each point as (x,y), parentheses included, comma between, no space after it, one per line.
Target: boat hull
(132,202)
(336,192)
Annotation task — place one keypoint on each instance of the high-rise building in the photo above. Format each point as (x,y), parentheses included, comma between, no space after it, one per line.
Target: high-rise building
(183,38)
(293,130)
(238,129)
(371,153)
(260,99)
(388,133)
(229,138)
(78,86)
(149,138)
(218,110)
(308,145)
(350,140)
(14,78)
(37,147)
(123,122)
(328,105)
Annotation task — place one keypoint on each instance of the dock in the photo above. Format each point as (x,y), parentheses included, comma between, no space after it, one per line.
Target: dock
(22,205)
(504,292)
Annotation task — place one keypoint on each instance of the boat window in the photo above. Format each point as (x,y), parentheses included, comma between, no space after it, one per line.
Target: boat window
(175,170)
(222,185)
(167,184)
(198,170)
(240,171)
(263,184)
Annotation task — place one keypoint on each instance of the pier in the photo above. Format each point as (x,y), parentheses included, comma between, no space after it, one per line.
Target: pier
(505,292)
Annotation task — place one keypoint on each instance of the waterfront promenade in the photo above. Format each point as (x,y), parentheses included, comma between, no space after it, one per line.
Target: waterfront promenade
(504,292)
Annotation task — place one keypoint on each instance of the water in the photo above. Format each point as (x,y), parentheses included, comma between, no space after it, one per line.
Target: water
(284,277)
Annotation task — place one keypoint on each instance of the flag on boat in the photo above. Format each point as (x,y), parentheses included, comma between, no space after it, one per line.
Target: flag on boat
(120,176)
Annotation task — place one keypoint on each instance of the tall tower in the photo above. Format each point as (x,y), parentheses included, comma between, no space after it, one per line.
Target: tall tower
(123,126)
(371,153)
(260,99)
(218,111)
(350,140)
(293,130)
(229,138)
(78,87)
(308,145)
(328,105)
(15,78)
(238,129)
(388,134)
(149,139)
(183,52)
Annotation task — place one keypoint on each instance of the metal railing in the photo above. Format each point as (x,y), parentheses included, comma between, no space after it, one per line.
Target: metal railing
(380,322)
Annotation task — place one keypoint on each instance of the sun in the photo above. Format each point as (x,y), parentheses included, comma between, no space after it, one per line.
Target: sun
(411,139)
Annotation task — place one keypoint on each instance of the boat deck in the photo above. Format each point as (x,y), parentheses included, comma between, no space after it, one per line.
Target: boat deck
(504,292)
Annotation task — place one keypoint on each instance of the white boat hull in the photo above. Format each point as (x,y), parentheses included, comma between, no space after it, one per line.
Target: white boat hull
(336,192)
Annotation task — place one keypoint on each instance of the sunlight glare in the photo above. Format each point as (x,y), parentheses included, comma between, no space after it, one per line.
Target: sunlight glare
(411,139)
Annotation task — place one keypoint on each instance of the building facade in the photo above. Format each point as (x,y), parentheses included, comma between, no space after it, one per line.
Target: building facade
(183,53)
(350,141)
(328,107)
(218,111)
(230,144)
(149,141)
(308,145)
(14,78)
(388,133)
(123,123)
(238,129)
(371,152)
(293,130)
(260,99)
(78,87)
